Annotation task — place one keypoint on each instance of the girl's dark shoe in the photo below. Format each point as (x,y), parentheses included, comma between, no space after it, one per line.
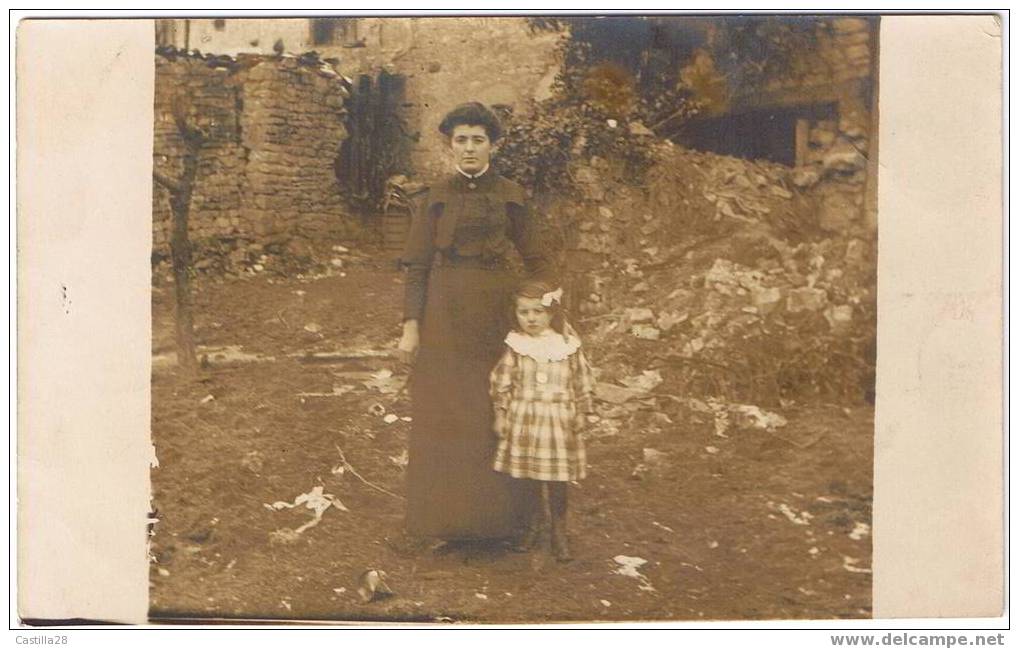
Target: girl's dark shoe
(560,543)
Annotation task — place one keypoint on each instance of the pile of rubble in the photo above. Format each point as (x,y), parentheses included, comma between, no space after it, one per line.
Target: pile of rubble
(721,277)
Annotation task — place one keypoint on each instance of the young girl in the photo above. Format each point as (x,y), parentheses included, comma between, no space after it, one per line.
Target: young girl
(542,389)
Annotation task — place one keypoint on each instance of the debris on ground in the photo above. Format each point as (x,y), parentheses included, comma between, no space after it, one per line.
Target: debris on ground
(849,564)
(385,382)
(860,530)
(802,518)
(372,585)
(628,567)
(253,461)
(315,500)
(400,460)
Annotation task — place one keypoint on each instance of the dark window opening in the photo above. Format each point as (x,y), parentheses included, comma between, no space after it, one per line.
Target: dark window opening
(219,24)
(333,31)
(776,134)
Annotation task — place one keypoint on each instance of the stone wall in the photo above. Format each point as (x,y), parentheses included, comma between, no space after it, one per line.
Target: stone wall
(275,127)
(447,61)
(835,87)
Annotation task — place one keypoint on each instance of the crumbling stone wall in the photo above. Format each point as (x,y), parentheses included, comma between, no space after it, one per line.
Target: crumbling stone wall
(446,60)
(275,128)
(841,150)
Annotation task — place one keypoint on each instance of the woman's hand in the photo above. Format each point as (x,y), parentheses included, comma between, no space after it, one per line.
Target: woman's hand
(409,342)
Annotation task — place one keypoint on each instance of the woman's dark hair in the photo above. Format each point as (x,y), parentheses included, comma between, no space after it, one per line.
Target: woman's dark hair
(471,114)
(536,290)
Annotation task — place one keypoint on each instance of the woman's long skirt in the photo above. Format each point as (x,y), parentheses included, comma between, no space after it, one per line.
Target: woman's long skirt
(452,490)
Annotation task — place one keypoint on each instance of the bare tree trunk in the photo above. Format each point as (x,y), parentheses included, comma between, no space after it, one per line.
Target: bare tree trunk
(180,246)
(180,253)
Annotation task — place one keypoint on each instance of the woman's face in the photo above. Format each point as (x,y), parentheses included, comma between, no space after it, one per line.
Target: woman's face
(472,149)
(532,317)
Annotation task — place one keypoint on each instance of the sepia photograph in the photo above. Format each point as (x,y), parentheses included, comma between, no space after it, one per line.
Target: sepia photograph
(514,319)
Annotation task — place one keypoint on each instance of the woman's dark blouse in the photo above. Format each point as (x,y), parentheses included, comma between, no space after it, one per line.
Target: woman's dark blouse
(470,221)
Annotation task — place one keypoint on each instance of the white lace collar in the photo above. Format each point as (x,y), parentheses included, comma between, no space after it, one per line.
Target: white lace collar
(549,346)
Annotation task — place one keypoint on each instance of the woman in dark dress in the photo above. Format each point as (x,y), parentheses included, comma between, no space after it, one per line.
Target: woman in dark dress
(456,314)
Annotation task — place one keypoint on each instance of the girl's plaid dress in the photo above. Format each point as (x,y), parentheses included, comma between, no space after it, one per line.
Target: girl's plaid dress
(540,388)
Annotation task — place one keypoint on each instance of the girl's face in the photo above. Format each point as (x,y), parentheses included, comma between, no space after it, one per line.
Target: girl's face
(472,149)
(532,317)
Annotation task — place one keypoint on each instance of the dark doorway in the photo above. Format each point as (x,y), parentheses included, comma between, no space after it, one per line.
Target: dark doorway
(378,144)
(765,134)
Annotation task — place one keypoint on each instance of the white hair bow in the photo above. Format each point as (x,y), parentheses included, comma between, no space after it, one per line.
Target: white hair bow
(552,296)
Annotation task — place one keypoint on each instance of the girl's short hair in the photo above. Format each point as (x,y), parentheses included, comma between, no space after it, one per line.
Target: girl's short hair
(471,114)
(536,290)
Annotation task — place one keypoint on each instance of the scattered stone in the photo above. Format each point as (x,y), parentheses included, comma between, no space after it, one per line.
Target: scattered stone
(805,177)
(839,318)
(806,299)
(636,128)
(843,157)
(639,315)
(645,332)
(668,320)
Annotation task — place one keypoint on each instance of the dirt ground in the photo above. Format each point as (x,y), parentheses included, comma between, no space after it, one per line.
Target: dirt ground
(750,526)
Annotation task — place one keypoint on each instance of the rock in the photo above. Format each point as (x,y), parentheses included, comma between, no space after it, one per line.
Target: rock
(590,183)
(605,212)
(843,157)
(636,128)
(855,133)
(806,299)
(856,251)
(822,137)
(837,212)
(728,277)
(749,416)
(647,380)
(645,332)
(667,321)
(653,456)
(840,317)
(640,287)
(610,393)
(804,177)
(766,299)
(593,242)
(639,314)
(780,192)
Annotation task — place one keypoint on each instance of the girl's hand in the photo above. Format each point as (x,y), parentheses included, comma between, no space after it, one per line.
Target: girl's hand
(409,342)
